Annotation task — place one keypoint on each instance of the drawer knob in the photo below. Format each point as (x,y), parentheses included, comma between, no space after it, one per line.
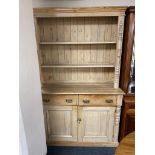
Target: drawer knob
(46,100)
(109,101)
(69,100)
(86,101)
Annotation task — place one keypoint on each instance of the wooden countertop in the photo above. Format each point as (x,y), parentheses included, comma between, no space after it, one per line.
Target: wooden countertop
(127,145)
(81,90)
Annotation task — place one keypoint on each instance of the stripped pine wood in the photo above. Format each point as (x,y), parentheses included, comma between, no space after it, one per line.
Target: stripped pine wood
(94,29)
(96,124)
(80,29)
(106,31)
(87,27)
(82,89)
(79,52)
(74,54)
(79,12)
(60,29)
(61,54)
(72,43)
(61,123)
(82,74)
(67,29)
(74,29)
(114,28)
(83,29)
(119,50)
(101,27)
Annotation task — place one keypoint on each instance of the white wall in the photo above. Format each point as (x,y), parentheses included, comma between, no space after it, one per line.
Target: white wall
(23,148)
(80,3)
(30,90)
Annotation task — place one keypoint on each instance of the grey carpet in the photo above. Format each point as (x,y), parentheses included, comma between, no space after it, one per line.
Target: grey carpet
(58,150)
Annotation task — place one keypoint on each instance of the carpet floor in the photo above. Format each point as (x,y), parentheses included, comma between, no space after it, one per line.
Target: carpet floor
(58,150)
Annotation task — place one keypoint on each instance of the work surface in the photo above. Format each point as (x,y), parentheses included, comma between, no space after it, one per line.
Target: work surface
(81,90)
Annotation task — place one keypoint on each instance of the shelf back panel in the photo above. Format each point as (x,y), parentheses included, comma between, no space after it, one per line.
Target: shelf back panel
(75,75)
(78,54)
(80,29)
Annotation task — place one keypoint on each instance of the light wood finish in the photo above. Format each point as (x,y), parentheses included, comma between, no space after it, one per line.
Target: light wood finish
(60,99)
(127,145)
(117,118)
(83,144)
(77,75)
(82,11)
(96,30)
(79,52)
(69,47)
(70,84)
(80,43)
(81,89)
(119,50)
(97,100)
(61,123)
(77,66)
(96,124)
(72,43)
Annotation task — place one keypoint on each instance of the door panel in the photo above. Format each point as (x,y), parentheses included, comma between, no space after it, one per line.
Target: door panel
(96,124)
(61,122)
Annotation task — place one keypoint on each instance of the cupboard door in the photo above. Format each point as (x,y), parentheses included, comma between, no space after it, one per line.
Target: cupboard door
(95,124)
(61,123)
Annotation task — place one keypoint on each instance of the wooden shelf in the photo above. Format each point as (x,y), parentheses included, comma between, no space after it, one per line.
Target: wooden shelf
(77,66)
(74,43)
(80,89)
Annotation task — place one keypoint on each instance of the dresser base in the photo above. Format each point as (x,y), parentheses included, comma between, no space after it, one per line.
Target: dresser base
(84,144)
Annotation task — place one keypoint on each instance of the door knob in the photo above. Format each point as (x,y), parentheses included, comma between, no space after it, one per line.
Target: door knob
(79,120)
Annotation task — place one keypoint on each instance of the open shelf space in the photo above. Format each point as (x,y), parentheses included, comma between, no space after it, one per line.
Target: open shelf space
(76,43)
(76,66)
(78,54)
(78,50)
(78,30)
(78,75)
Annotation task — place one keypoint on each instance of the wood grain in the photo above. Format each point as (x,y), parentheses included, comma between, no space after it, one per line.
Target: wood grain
(82,144)
(128,116)
(77,12)
(60,99)
(81,89)
(61,122)
(127,145)
(119,50)
(129,33)
(97,100)
(79,52)
(96,124)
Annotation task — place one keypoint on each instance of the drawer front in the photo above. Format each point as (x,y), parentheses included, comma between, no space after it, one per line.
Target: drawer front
(97,100)
(60,99)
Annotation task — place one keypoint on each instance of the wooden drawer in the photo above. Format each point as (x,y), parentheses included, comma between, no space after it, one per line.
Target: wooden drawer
(97,100)
(60,99)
